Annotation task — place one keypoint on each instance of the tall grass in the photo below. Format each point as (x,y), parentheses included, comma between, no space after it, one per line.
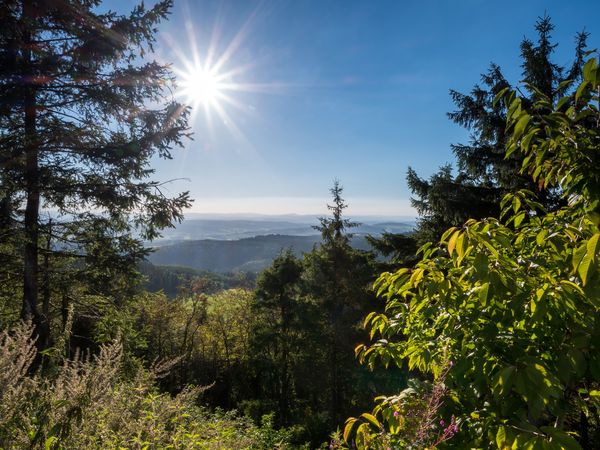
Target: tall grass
(86,404)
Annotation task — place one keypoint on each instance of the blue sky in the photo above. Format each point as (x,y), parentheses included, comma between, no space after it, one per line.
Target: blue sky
(354,90)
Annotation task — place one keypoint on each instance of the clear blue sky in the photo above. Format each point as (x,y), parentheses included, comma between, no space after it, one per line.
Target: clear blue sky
(354,90)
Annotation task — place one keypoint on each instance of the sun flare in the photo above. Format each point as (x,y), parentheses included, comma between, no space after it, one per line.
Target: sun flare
(212,81)
(201,86)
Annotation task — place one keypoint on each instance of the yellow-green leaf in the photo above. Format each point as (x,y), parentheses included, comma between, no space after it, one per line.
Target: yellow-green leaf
(348,428)
(371,419)
(593,245)
(452,242)
(521,125)
(585,266)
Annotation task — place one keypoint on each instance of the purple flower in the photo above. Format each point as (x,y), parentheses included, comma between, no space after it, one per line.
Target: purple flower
(442,423)
(396,413)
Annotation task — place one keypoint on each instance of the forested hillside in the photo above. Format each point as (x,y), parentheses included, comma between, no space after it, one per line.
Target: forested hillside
(244,255)
(481,329)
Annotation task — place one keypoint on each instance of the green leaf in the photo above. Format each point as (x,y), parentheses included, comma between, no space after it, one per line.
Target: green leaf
(562,102)
(521,125)
(460,249)
(516,203)
(483,292)
(578,256)
(447,233)
(580,90)
(501,439)
(503,381)
(519,218)
(540,239)
(562,438)
(371,419)
(589,70)
(348,428)
(452,242)
(526,141)
(593,244)
(49,444)
(499,96)
(585,267)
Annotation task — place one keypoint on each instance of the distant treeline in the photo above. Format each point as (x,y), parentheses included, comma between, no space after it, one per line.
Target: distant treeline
(174,280)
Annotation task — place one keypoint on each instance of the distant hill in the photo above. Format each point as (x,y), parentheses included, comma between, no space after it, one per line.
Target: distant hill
(223,228)
(242,255)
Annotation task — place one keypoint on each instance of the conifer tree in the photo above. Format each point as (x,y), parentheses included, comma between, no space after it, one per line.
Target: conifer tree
(484,174)
(82,112)
(338,279)
(279,339)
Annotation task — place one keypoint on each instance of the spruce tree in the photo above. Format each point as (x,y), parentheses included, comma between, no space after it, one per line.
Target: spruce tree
(82,112)
(484,174)
(280,336)
(338,280)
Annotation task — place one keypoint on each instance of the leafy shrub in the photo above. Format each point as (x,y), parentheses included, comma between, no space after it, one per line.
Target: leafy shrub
(87,405)
(515,302)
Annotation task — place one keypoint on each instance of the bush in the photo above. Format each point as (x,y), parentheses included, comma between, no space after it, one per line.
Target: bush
(88,405)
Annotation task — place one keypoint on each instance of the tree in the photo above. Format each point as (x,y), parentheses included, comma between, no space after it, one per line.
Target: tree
(280,334)
(514,302)
(484,174)
(338,280)
(78,128)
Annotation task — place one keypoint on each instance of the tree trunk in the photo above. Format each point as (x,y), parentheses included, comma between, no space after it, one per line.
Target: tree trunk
(32,186)
(47,288)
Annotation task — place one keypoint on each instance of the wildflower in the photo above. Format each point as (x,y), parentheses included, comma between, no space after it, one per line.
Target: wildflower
(442,423)
(396,413)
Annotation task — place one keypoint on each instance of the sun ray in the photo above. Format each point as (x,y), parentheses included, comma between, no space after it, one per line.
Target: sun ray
(236,41)
(211,82)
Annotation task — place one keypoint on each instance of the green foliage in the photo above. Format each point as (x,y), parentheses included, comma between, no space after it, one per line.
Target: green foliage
(208,335)
(409,420)
(280,333)
(179,280)
(512,302)
(399,249)
(485,173)
(307,315)
(337,280)
(560,144)
(87,405)
(83,113)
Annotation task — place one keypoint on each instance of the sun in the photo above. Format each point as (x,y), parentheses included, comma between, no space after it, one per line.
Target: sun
(200,85)
(211,80)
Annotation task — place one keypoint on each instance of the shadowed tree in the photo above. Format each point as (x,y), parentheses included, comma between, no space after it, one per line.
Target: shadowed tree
(485,174)
(280,336)
(82,112)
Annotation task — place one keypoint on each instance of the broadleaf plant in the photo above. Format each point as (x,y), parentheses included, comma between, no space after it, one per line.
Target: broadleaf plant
(513,303)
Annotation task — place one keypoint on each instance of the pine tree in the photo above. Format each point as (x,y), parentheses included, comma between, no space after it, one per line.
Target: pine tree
(338,279)
(77,132)
(484,174)
(279,338)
